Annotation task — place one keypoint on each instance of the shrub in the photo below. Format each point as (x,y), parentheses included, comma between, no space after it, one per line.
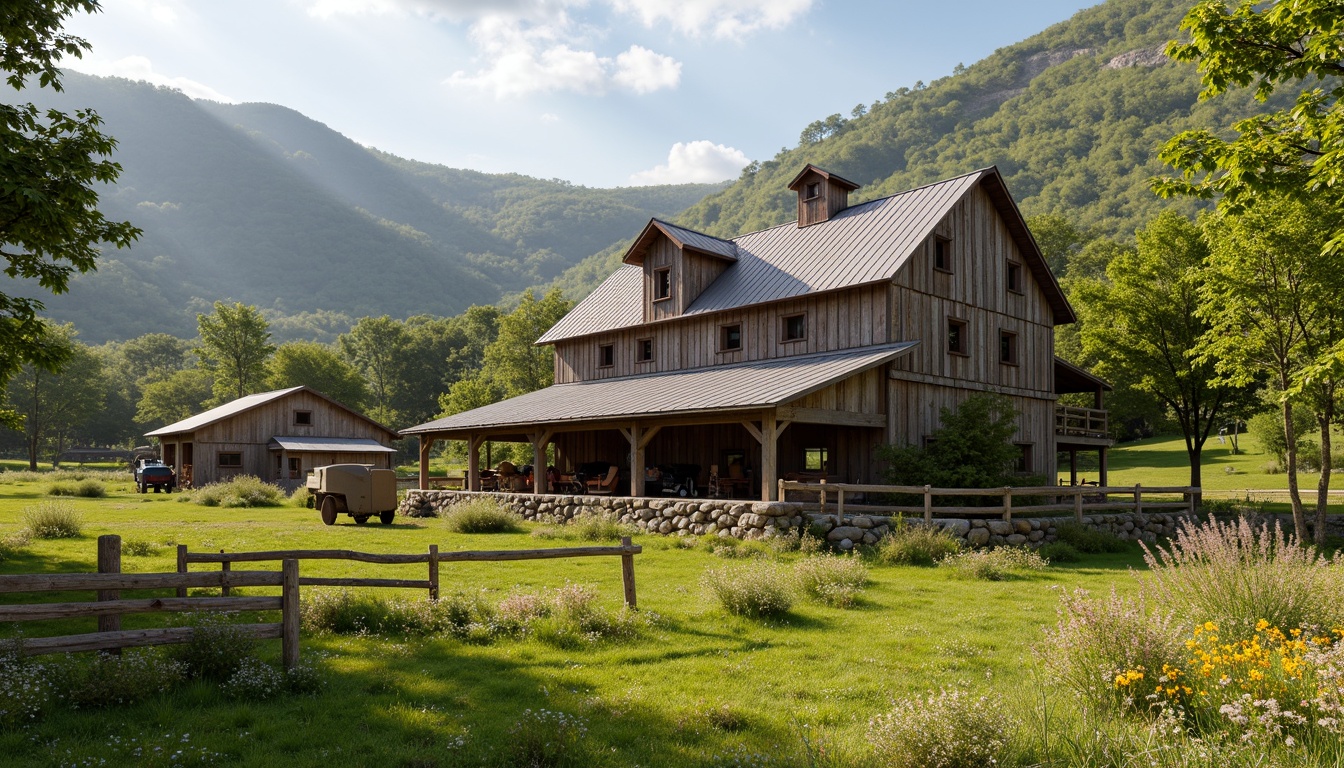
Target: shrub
(480,515)
(140,548)
(53,520)
(300,497)
(216,650)
(26,690)
(756,590)
(605,527)
(104,680)
(949,729)
(575,619)
(834,581)
(1089,540)
(1060,552)
(916,544)
(14,543)
(1236,573)
(345,612)
(545,739)
(994,564)
(240,491)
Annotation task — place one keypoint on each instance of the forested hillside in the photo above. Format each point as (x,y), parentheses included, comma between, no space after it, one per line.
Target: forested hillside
(1072,117)
(259,204)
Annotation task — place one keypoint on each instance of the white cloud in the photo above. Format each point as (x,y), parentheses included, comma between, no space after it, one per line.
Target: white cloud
(694,162)
(550,117)
(140,68)
(644,71)
(161,12)
(453,10)
(721,18)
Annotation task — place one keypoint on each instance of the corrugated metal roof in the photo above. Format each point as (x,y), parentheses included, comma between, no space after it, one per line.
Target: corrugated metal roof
(193,423)
(699,241)
(864,243)
(742,386)
(329,445)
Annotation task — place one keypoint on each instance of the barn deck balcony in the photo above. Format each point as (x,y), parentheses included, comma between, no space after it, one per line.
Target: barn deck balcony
(1081,426)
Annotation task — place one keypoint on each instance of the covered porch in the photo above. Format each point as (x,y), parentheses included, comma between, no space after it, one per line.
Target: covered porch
(806,417)
(1080,428)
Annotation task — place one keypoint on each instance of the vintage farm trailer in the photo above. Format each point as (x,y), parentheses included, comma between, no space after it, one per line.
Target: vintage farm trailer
(797,350)
(277,436)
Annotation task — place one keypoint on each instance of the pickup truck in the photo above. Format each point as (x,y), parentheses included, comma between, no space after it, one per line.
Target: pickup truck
(156,474)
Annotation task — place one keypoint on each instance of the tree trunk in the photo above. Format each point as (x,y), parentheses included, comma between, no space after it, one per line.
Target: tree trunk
(1290,434)
(1326,416)
(1196,473)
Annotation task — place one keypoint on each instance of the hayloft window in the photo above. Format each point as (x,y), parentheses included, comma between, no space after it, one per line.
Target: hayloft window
(942,254)
(1014,279)
(730,337)
(644,350)
(957,343)
(606,355)
(812,191)
(662,284)
(303,418)
(230,461)
(1007,347)
(795,327)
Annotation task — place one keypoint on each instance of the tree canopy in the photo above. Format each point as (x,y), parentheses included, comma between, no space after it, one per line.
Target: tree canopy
(235,346)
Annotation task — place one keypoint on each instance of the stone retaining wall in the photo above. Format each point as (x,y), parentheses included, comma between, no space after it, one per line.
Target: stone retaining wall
(760,519)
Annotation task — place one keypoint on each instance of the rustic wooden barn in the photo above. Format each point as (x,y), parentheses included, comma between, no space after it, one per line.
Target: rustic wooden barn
(278,436)
(799,349)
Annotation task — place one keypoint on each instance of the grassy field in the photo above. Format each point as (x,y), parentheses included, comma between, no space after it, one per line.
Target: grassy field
(701,687)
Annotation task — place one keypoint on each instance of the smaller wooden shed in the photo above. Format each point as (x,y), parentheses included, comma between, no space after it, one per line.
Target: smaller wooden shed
(278,436)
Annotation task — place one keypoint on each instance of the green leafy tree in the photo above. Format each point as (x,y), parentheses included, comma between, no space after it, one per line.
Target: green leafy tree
(56,405)
(972,449)
(50,226)
(376,346)
(1271,298)
(1142,324)
(174,397)
(154,355)
(307,363)
(513,361)
(1292,44)
(235,345)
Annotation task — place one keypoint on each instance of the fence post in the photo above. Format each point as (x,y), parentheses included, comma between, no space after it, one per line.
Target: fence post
(109,561)
(225,567)
(781,489)
(628,573)
(1007,503)
(289,613)
(1138,498)
(1190,498)
(823,496)
(928,505)
(433,571)
(839,507)
(181,566)
(1078,503)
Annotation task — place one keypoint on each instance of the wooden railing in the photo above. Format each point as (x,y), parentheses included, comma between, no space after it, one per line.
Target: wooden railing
(626,551)
(1080,422)
(1081,498)
(109,607)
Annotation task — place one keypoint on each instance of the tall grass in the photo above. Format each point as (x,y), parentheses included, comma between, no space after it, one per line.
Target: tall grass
(918,544)
(832,580)
(240,491)
(480,515)
(994,564)
(757,589)
(53,520)
(952,728)
(88,489)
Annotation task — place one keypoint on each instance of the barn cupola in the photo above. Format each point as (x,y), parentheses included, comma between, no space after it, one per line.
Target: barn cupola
(821,194)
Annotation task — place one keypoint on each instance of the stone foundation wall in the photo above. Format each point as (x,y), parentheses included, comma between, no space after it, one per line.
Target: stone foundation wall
(760,519)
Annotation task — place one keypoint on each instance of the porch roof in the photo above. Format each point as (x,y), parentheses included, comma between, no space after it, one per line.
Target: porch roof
(738,387)
(305,444)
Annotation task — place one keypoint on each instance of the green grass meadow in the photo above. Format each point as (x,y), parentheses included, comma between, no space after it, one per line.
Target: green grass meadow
(658,700)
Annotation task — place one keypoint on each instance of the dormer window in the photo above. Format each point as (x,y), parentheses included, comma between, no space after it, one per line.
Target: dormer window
(606,355)
(942,254)
(730,337)
(303,418)
(795,328)
(644,350)
(812,190)
(662,284)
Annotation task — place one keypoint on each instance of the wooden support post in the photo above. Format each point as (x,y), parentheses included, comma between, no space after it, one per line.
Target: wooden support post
(928,505)
(109,561)
(782,494)
(769,457)
(823,495)
(1078,504)
(539,442)
(839,506)
(636,460)
(1138,498)
(433,571)
(289,613)
(628,574)
(426,442)
(1007,503)
(225,590)
(181,566)
(474,462)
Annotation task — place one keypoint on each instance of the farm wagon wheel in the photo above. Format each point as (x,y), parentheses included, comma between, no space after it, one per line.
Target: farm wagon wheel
(386,517)
(329,510)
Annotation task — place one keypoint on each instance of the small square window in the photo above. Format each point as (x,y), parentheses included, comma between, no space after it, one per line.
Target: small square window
(942,254)
(730,337)
(606,355)
(1014,277)
(662,284)
(644,349)
(231,460)
(957,343)
(815,459)
(795,327)
(1008,347)
(303,418)
(813,191)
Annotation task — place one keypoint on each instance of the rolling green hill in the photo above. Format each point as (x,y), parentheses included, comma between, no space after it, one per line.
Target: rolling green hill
(257,203)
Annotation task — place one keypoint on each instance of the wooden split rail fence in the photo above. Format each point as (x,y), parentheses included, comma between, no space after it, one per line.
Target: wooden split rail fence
(108,608)
(626,551)
(1081,498)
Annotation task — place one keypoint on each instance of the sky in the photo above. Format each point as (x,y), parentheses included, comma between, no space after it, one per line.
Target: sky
(602,93)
